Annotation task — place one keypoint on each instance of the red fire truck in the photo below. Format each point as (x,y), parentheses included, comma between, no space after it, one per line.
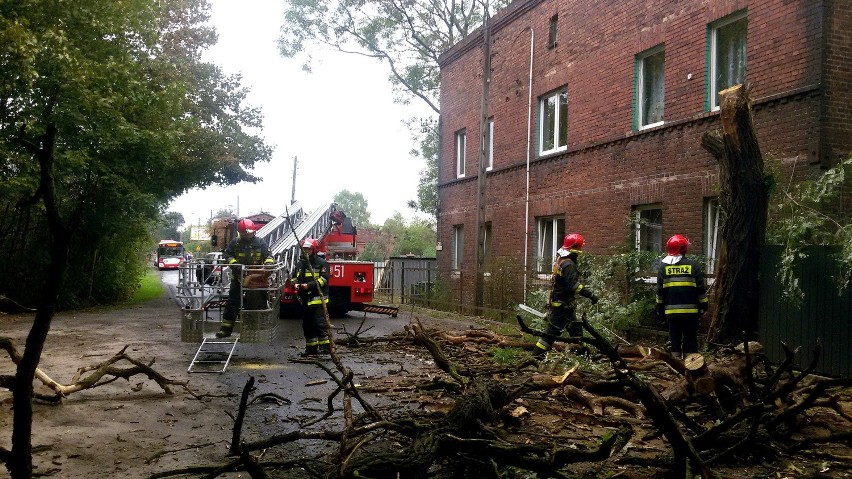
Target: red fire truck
(351,281)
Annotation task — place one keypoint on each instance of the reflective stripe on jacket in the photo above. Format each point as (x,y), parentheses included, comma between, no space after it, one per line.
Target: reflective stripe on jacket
(566,284)
(253,253)
(681,289)
(315,275)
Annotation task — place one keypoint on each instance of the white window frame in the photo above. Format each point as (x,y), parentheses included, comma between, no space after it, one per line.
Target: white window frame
(711,232)
(543,254)
(557,117)
(489,152)
(461,152)
(457,251)
(639,226)
(640,86)
(714,31)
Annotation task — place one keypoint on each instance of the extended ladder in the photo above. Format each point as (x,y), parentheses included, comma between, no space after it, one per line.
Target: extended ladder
(213,355)
(278,233)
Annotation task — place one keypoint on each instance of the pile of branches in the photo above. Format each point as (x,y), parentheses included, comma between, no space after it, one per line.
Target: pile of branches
(708,415)
(753,408)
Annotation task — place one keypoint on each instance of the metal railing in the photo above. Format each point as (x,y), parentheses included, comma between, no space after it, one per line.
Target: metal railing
(450,290)
(203,290)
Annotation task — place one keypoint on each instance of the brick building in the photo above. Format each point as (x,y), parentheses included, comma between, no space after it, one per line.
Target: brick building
(600,106)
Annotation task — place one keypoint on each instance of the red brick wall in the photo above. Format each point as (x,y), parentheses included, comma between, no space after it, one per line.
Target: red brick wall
(837,65)
(609,168)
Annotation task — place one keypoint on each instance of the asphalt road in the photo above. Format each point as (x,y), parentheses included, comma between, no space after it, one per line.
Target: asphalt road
(306,386)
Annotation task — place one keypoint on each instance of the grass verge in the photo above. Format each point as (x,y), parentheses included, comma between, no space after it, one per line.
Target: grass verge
(150,288)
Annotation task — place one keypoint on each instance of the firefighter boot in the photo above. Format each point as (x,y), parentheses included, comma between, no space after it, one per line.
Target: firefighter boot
(310,351)
(540,350)
(323,345)
(225,330)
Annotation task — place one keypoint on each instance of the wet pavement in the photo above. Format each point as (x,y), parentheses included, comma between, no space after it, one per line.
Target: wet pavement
(306,385)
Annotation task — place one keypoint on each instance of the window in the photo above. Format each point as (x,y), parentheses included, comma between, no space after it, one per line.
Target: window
(489,146)
(486,250)
(554,122)
(554,31)
(649,229)
(727,55)
(650,92)
(711,233)
(549,234)
(458,247)
(461,146)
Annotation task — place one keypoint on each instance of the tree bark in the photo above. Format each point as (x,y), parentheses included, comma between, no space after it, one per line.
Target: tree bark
(20,464)
(743,200)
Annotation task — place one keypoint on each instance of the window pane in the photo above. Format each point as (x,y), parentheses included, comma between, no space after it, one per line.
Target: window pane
(544,231)
(563,119)
(547,244)
(549,234)
(653,68)
(458,247)
(711,233)
(489,146)
(486,252)
(730,55)
(651,230)
(548,123)
(461,145)
(554,21)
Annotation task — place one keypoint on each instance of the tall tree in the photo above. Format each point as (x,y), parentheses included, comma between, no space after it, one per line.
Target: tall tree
(354,205)
(171,225)
(410,237)
(407,35)
(224,213)
(427,187)
(106,114)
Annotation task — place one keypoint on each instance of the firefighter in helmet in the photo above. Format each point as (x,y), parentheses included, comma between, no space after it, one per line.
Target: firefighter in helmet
(245,249)
(566,286)
(311,282)
(681,296)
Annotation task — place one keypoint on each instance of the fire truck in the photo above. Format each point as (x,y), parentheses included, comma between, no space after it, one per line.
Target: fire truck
(351,281)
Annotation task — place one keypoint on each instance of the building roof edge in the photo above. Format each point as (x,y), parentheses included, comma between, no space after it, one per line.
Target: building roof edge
(498,21)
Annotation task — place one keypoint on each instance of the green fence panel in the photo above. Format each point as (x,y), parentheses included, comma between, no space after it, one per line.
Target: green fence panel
(825,313)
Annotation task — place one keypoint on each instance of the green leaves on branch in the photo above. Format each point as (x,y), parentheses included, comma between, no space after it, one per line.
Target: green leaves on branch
(138,120)
(407,35)
(813,213)
(354,205)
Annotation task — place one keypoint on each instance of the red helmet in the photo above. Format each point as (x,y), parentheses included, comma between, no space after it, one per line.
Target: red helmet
(310,244)
(246,226)
(677,244)
(573,243)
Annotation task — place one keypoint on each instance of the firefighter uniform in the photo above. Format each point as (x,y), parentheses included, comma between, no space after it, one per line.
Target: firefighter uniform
(566,286)
(241,251)
(681,300)
(313,271)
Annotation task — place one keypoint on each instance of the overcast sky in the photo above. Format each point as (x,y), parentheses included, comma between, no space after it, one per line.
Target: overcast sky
(339,120)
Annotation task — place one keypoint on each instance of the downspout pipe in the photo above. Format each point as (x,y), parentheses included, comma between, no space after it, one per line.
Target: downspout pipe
(529,149)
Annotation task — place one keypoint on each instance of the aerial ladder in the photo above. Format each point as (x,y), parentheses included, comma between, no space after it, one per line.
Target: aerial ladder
(284,245)
(351,284)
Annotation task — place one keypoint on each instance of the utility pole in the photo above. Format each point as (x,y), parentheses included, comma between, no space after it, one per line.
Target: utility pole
(480,179)
(293,193)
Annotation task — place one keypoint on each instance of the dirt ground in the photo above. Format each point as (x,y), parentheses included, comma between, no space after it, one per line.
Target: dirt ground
(134,430)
